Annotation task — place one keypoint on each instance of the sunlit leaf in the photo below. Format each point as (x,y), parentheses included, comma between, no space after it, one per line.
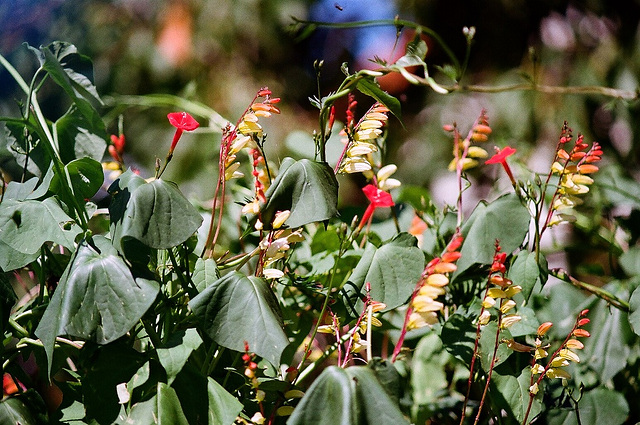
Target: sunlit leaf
(237,308)
(371,88)
(506,219)
(392,270)
(156,214)
(307,188)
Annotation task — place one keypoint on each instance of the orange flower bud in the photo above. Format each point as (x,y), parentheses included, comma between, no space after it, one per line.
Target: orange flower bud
(592,158)
(581,333)
(483,129)
(587,168)
(448,127)
(450,257)
(562,154)
(443,267)
(455,244)
(583,322)
(578,155)
(479,137)
(544,328)
(584,312)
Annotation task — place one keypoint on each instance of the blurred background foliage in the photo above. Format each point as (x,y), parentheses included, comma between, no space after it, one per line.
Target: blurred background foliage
(220,53)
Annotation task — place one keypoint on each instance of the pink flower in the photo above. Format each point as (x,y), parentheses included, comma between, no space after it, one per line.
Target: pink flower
(378,198)
(182,121)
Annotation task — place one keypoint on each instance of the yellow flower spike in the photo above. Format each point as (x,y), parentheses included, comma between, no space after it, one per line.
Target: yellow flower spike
(250,118)
(534,389)
(386,171)
(326,329)
(368,124)
(295,236)
(569,355)
(376,322)
(272,273)
(262,114)
(247,127)
(388,184)
(355,165)
(488,302)
(559,362)
(484,317)
(230,172)
(507,306)
(420,320)
(496,293)
(422,303)
(476,152)
(479,138)
(467,163)
(575,344)
(239,143)
(537,369)
(360,148)
(280,218)
(368,134)
(229,160)
(260,395)
(377,306)
(379,116)
(431,291)
(512,290)
(571,169)
(437,279)
(251,208)
(557,168)
(558,373)
(582,179)
(510,320)
(540,353)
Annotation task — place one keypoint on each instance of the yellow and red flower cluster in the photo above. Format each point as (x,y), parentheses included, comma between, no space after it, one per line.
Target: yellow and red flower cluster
(572,168)
(465,154)
(499,294)
(423,306)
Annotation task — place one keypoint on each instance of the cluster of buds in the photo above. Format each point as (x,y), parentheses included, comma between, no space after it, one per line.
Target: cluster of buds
(424,307)
(275,246)
(465,154)
(560,358)
(572,168)
(248,134)
(499,293)
(351,341)
(362,139)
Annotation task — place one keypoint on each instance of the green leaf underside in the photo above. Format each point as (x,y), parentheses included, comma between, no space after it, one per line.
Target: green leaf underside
(164,408)
(346,397)
(308,189)
(97,297)
(369,87)
(237,308)
(392,270)
(205,272)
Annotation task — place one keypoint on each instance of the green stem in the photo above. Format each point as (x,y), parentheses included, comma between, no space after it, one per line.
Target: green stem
(595,290)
